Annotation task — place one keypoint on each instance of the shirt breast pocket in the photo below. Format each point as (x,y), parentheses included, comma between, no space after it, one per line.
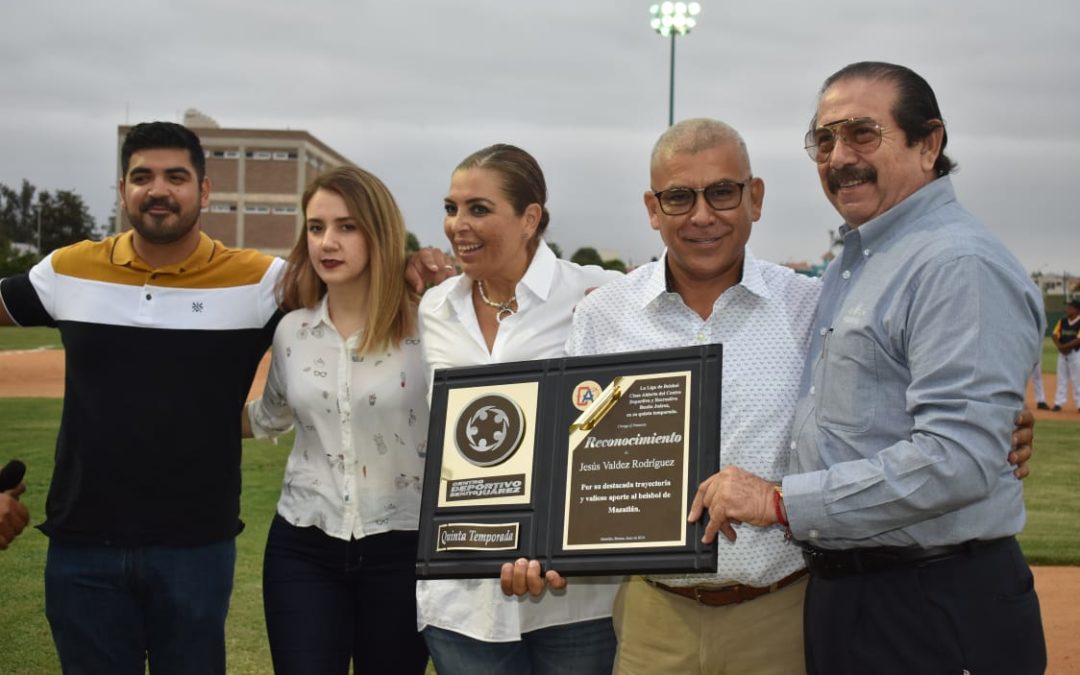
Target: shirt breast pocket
(847,388)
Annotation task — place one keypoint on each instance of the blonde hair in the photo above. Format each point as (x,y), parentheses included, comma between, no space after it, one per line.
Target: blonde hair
(391,305)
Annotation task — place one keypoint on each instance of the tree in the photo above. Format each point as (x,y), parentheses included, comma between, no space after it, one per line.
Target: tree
(50,221)
(555,248)
(18,222)
(412,244)
(64,219)
(615,264)
(586,256)
(14,262)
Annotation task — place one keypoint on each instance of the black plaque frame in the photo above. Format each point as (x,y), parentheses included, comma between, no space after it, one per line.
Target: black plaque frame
(538,523)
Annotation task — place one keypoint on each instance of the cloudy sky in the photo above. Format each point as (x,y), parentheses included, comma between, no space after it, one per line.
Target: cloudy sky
(409,88)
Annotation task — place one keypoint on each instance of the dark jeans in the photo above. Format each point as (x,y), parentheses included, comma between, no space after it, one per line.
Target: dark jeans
(976,612)
(330,601)
(582,648)
(110,608)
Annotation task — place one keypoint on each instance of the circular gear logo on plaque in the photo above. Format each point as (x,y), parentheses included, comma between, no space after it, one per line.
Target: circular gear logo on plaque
(489,430)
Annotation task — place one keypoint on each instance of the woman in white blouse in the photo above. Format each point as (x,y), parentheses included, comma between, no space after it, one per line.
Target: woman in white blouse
(339,569)
(514,302)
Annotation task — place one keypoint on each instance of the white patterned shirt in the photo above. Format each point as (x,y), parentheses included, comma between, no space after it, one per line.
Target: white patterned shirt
(357,463)
(546,296)
(763,323)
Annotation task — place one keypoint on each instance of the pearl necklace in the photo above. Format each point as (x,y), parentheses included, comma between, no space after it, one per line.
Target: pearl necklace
(502,309)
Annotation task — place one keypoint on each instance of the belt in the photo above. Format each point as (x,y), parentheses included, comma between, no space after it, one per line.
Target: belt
(829,564)
(718,596)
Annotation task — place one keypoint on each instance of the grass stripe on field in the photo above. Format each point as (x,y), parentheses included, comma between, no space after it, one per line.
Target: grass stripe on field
(14,338)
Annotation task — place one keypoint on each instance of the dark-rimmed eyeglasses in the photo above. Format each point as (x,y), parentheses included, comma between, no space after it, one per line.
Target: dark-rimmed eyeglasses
(722,196)
(861,134)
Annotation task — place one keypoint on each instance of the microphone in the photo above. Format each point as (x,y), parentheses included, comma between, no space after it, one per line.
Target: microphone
(12,474)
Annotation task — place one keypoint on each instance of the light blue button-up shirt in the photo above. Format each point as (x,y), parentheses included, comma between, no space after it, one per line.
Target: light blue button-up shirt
(925,335)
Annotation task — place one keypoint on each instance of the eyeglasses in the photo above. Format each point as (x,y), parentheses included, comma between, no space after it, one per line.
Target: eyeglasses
(861,134)
(722,196)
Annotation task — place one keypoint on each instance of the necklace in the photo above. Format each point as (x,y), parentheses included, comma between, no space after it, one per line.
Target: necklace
(502,309)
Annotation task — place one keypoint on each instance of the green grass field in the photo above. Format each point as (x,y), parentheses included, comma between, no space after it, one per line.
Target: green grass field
(1049,356)
(1052,496)
(29,338)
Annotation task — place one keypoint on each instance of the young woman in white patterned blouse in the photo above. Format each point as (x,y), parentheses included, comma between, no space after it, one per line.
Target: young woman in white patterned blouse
(346,373)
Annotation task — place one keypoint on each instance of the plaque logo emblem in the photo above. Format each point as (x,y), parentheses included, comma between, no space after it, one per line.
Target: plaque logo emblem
(585,393)
(489,430)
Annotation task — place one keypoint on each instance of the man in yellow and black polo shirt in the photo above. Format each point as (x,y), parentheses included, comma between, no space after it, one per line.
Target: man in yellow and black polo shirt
(163,329)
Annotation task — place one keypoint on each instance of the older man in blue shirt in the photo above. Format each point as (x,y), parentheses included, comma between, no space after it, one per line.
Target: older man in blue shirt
(901,492)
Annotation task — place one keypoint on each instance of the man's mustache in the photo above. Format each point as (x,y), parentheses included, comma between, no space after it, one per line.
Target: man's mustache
(160,202)
(849,174)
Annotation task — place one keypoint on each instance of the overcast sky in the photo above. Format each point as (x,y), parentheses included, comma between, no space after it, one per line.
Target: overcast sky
(407,89)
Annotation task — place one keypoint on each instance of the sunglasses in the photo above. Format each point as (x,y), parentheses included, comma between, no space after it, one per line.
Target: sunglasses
(861,134)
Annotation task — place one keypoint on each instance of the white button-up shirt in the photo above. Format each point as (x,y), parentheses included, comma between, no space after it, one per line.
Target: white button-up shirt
(546,296)
(357,463)
(763,323)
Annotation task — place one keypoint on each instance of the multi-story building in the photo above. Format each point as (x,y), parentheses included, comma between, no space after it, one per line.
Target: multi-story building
(257,177)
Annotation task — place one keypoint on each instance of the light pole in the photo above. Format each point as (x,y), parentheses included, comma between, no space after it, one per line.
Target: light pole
(671,19)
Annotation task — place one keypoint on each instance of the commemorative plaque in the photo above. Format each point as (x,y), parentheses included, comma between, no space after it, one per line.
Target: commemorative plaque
(588,464)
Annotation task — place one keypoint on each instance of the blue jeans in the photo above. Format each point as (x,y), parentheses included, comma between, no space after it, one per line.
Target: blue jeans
(110,608)
(331,602)
(583,648)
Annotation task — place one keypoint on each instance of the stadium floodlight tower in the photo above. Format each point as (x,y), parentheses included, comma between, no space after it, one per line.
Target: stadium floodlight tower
(673,19)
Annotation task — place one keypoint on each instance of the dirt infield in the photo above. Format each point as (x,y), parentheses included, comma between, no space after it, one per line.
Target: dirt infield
(41,373)
(1058,589)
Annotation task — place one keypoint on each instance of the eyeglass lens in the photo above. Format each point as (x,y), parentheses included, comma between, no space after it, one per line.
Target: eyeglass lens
(860,135)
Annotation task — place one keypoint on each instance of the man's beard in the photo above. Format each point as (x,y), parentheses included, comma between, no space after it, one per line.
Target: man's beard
(849,174)
(155,230)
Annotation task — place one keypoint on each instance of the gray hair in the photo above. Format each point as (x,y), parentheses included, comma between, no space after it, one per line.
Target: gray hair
(696,135)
